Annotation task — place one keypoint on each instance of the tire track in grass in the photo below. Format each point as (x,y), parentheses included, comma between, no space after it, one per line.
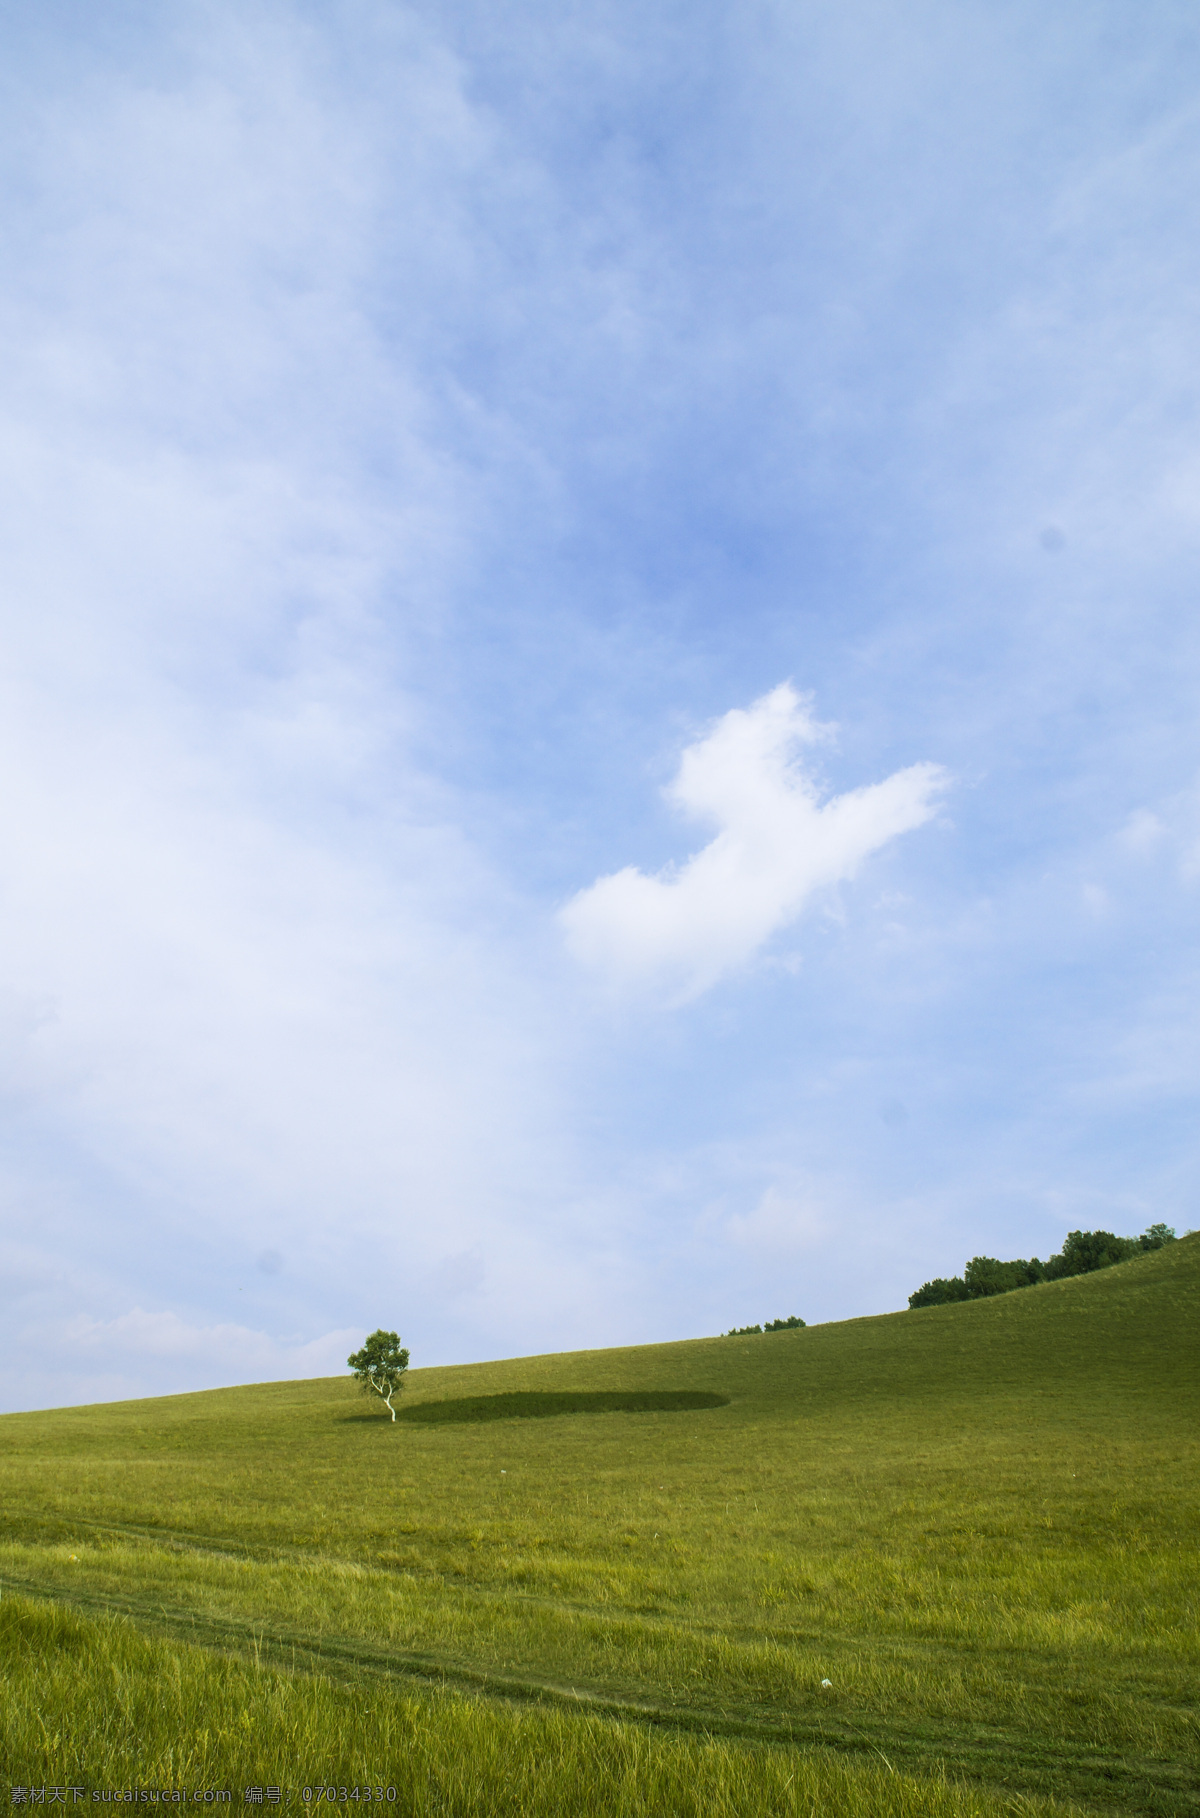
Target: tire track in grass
(984,1751)
(355,1656)
(1112,1779)
(906,1648)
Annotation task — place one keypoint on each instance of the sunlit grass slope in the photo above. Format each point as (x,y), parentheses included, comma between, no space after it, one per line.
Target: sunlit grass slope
(977,1522)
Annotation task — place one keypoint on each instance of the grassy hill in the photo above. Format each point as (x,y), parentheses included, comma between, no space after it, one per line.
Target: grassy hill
(565,1584)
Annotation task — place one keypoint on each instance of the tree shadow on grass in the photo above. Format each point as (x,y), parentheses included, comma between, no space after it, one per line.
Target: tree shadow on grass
(539,1404)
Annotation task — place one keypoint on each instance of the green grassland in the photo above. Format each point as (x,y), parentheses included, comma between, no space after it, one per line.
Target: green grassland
(616,1580)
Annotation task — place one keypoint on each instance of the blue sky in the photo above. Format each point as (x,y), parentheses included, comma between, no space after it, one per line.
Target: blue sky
(598,713)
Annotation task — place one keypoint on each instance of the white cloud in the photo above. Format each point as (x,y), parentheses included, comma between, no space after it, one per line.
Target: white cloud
(777,844)
(84,1359)
(782,1222)
(1142,832)
(259,992)
(1172,829)
(226,1349)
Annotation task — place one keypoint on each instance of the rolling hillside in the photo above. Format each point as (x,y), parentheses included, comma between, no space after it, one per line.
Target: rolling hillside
(958,1541)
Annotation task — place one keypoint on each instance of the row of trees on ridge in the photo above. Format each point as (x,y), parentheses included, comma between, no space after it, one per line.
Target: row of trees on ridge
(772,1325)
(1082,1252)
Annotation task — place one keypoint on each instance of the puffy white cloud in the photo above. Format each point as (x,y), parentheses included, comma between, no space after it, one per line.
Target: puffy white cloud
(777,844)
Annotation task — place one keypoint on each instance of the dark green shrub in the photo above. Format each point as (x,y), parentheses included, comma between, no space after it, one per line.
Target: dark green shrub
(939,1292)
(1088,1250)
(773,1325)
(985,1275)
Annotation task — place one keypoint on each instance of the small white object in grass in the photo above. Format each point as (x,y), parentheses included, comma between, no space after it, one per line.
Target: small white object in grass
(504,1473)
(827,1683)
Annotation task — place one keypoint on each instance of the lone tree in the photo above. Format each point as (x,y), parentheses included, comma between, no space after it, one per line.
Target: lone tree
(380,1366)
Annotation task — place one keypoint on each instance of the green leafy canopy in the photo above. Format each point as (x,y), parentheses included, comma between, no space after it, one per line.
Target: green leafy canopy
(380,1365)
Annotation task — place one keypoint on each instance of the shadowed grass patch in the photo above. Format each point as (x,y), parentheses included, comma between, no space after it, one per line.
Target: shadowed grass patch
(540,1404)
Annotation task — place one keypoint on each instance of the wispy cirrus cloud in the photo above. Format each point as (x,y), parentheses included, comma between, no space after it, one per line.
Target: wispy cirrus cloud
(777,844)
